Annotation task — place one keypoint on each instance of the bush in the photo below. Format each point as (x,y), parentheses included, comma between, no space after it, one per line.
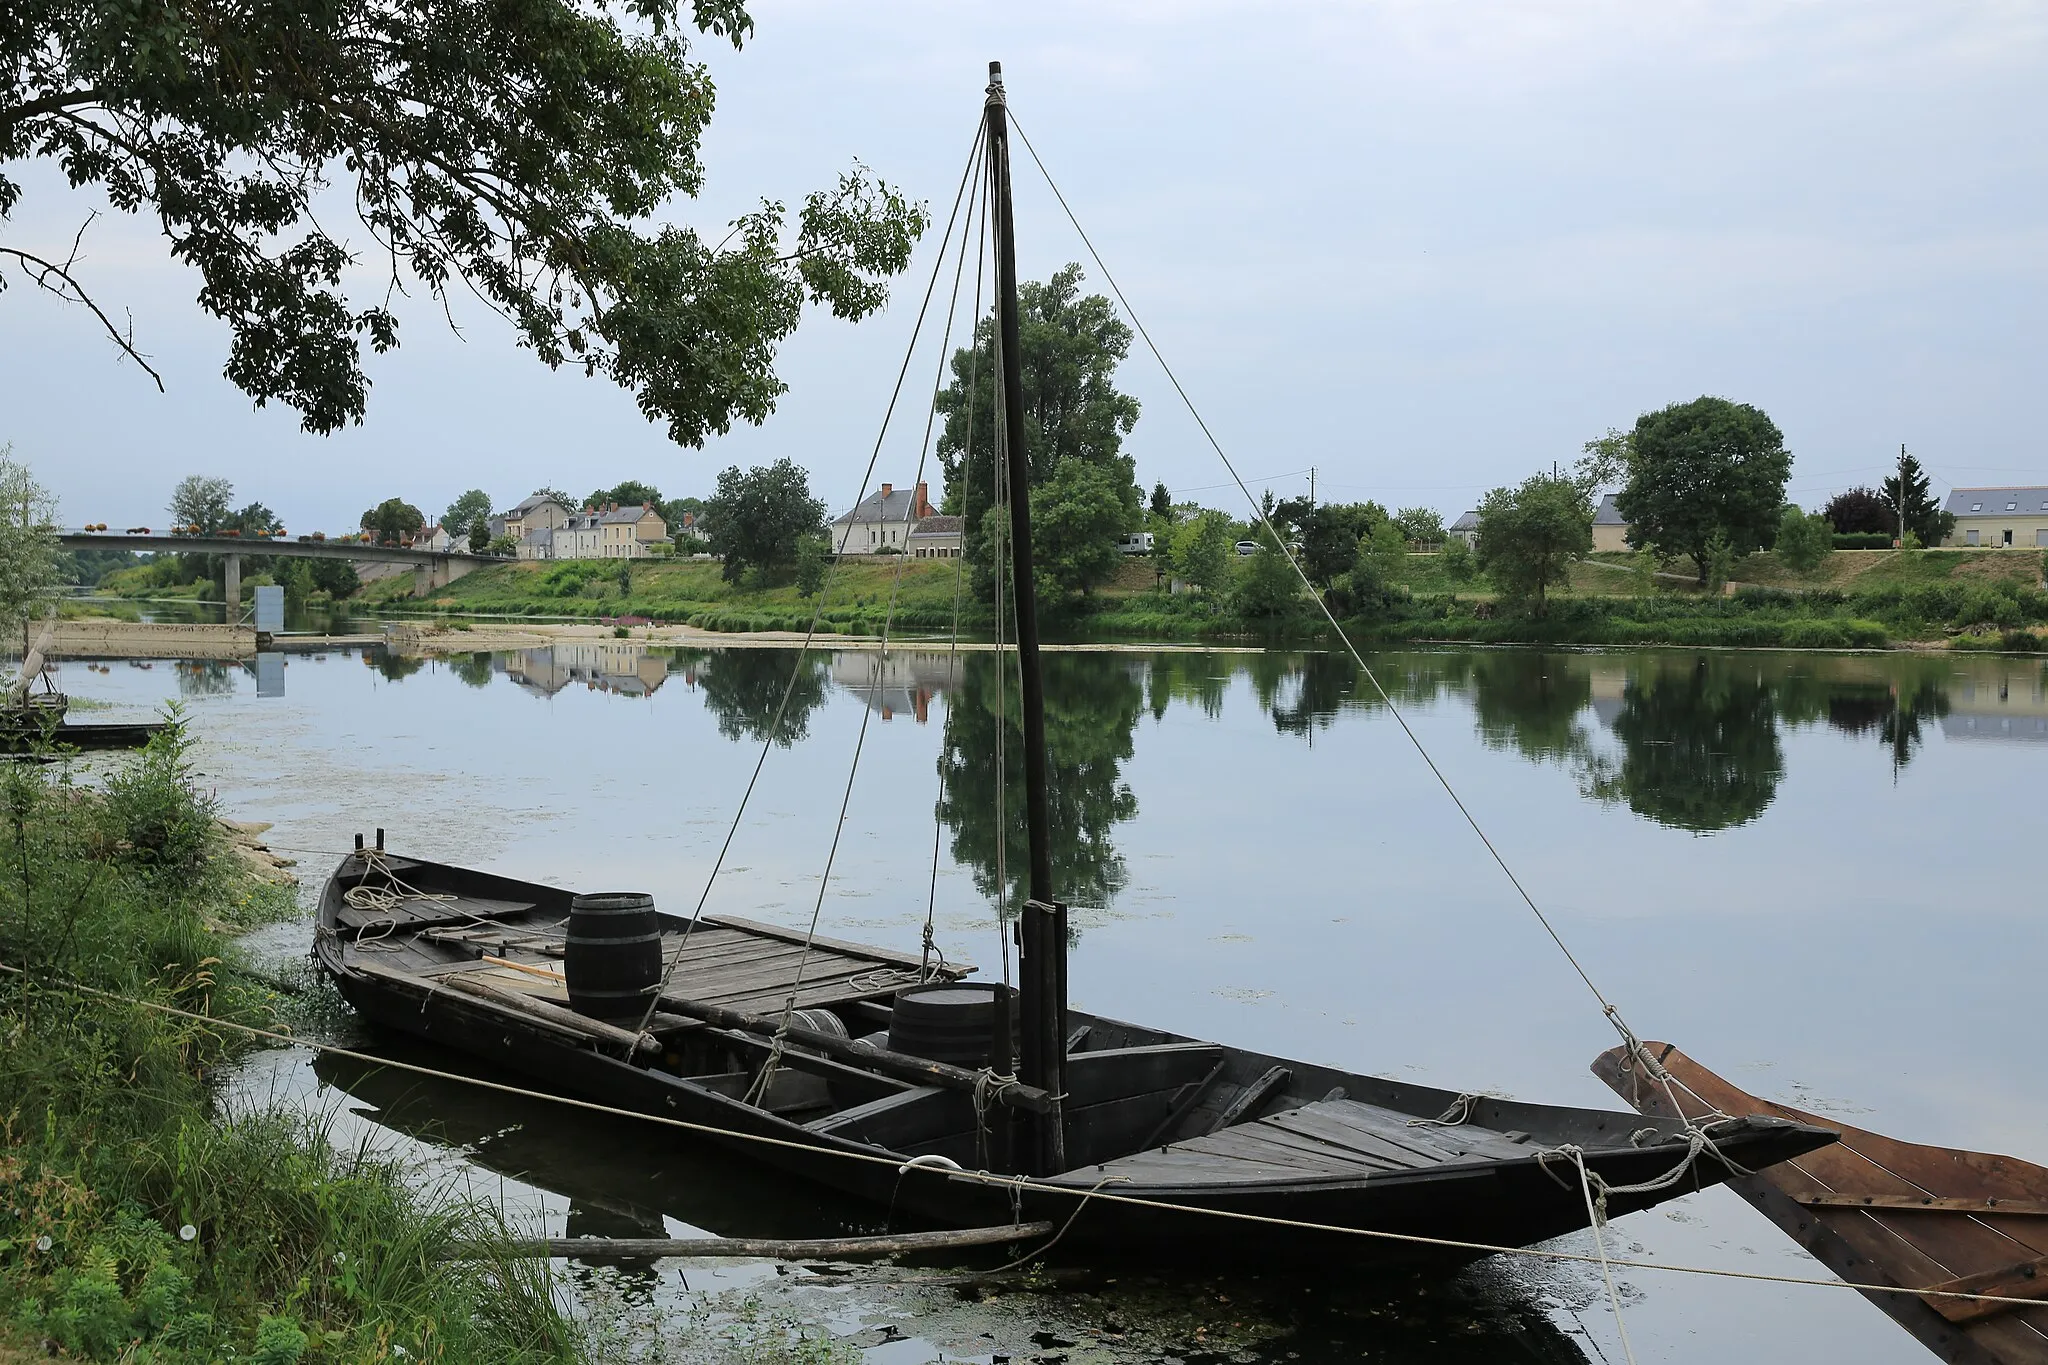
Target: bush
(1804,539)
(1862,540)
(153,813)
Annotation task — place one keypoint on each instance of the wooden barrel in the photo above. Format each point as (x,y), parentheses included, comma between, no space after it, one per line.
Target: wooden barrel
(948,1021)
(613,956)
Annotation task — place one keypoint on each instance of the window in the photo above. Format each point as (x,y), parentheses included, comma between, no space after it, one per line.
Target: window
(1976,507)
(1970,538)
(2008,540)
(2012,507)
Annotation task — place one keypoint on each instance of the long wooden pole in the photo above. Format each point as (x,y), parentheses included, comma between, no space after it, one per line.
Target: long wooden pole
(1042,939)
(777,1249)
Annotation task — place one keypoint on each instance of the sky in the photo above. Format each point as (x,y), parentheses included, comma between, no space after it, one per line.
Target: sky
(1425,249)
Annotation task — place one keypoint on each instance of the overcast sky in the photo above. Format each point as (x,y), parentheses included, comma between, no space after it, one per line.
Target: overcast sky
(1427,248)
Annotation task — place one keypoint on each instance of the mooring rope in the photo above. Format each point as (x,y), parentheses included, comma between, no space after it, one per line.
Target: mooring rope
(1021,1183)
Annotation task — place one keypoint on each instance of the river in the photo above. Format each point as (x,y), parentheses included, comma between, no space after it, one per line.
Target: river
(1804,868)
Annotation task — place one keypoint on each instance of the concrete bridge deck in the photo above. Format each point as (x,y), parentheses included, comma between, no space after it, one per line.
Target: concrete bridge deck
(431,568)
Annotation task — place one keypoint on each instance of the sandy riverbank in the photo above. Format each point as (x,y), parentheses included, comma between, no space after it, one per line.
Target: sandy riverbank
(107,639)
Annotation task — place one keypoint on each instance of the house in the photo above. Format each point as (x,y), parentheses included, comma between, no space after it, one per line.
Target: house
(537,512)
(538,543)
(1610,530)
(1466,528)
(435,538)
(2003,518)
(627,532)
(578,536)
(881,523)
(936,538)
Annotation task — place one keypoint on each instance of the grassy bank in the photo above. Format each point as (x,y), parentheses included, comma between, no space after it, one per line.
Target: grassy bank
(1856,599)
(139,1219)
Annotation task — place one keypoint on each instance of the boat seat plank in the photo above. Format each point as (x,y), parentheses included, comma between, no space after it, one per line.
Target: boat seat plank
(1330,1139)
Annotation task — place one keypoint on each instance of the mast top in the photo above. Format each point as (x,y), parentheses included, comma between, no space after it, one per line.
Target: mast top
(995,83)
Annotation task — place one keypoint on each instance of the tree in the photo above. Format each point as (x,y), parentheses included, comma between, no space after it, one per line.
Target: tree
(1201,551)
(479,536)
(1069,347)
(556,495)
(253,518)
(1456,559)
(682,514)
(630,493)
(813,553)
(1076,518)
(1383,553)
(1529,537)
(28,546)
(1861,511)
(336,577)
(1162,501)
(1924,517)
(1805,539)
(1420,523)
(759,517)
(501,545)
(518,151)
(393,521)
(466,511)
(1330,534)
(201,501)
(1700,467)
(1267,589)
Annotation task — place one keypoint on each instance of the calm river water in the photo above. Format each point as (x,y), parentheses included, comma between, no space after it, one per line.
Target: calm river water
(1806,869)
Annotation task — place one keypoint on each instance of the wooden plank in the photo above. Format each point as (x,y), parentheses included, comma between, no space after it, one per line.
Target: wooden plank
(1112,1073)
(1304,1123)
(864,950)
(568,1020)
(1908,1203)
(2028,1280)
(1456,1140)
(1251,1097)
(1183,1103)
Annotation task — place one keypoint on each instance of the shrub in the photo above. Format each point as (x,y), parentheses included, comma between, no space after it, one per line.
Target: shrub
(1804,539)
(1862,540)
(153,812)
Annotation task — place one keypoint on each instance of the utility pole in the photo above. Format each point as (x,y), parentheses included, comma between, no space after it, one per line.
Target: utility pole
(1311,485)
(1902,495)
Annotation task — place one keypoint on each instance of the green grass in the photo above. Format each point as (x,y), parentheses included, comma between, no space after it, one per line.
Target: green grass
(140,1222)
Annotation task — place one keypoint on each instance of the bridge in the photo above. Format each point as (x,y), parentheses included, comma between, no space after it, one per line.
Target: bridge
(431,569)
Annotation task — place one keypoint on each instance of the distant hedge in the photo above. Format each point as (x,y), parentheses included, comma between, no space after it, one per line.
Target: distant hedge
(1862,540)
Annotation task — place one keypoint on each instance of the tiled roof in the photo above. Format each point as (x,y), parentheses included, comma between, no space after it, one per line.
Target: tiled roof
(938,526)
(1991,502)
(539,535)
(1468,522)
(1608,514)
(532,501)
(628,515)
(893,506)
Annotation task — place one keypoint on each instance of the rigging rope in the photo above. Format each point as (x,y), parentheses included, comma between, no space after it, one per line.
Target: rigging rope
(1607,1008)
(880,669)
(824,593)
(1012,1182)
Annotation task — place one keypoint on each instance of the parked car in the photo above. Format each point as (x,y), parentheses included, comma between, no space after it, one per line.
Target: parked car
(1247,547)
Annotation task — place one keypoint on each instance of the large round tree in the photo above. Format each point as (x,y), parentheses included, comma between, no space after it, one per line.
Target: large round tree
(1700,468)
(525,152)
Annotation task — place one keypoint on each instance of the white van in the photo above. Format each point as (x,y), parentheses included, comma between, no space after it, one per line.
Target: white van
(1136,543)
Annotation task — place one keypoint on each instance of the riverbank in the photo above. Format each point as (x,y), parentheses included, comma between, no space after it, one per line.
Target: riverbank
(142,1216)
(1970,599)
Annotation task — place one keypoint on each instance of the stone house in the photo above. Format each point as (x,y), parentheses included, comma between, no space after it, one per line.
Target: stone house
(578,536)
(1610,530)
(936,538)
(882,522)
(628,532)
(539,543)
(2002,518)
(536,512)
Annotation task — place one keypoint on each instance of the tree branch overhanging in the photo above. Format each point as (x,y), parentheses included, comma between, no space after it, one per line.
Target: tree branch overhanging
(43,272)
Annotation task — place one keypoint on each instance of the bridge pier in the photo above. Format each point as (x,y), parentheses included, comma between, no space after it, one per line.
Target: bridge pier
(231,587)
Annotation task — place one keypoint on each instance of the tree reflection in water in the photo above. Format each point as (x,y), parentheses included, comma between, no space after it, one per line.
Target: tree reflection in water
(473,668)
(1092,705)
(1699,746)
(743,688)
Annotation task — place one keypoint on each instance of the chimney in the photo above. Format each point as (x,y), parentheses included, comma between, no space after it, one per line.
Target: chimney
(921,506)
(887,489)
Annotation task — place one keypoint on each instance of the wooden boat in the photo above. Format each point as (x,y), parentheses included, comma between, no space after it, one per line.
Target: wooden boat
(1876,1210)
(89,738)
(1173,1129)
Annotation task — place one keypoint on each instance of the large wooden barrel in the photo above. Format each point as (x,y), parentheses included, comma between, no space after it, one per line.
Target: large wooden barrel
(613,957)
(948,1021)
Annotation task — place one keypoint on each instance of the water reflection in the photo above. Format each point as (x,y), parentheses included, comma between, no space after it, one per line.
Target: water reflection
(1092,705)
(745,690)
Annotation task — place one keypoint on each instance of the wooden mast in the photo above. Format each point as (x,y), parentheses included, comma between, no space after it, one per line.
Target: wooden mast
(1042,928)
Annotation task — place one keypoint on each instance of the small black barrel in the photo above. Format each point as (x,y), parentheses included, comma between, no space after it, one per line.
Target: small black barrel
(613,962)
(948,1021)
